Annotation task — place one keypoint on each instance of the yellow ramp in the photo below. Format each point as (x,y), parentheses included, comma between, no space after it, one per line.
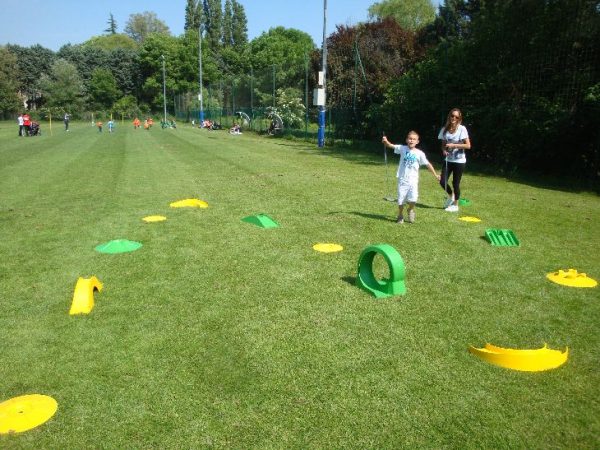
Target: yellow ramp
(535,360)
(83,297)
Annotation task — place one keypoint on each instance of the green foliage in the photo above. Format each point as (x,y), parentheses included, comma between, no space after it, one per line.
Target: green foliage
(62,87)
(192,15)
(32,62)
(212,22)
(112,42)
(282,53)
(410,14)
(102,89)
(126,107)
(520,94)
(141,25)
(9,82)
(239,25)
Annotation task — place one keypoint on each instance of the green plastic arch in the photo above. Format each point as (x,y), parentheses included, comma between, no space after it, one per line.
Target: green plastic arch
(366,278)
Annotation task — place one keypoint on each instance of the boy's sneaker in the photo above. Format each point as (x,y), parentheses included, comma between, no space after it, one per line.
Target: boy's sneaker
(411,216)
(448,202)
(452,208)
(400,219)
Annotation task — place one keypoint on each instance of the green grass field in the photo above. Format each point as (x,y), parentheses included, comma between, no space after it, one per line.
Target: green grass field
(220,334)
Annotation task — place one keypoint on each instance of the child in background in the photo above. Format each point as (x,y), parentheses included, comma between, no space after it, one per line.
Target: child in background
(408,173)
(111,126)
(99,125)
(136,123)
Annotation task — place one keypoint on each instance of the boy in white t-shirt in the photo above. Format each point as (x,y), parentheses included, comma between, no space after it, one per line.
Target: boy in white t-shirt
(408,173)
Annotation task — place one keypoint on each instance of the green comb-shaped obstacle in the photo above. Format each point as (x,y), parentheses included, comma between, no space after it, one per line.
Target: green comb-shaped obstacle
(261,220)
(502,238)
(464,202)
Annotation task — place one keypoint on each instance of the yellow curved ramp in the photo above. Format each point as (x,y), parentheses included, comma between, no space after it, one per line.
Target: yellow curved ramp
(535,360)
(83,297)
(189,203)
(23,413)
(572,278)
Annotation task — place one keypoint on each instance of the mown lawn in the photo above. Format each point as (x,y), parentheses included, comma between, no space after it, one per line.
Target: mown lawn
(217,333)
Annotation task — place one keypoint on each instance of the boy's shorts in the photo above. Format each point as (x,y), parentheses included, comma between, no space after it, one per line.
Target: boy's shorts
(407,193)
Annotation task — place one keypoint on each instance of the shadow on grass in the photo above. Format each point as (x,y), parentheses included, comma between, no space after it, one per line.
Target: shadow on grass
(350,280)
(365,215)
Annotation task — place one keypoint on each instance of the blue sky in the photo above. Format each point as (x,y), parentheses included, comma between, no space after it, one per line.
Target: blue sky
(55,23)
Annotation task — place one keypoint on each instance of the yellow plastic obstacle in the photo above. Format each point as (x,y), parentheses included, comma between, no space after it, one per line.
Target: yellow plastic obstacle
(189,203)
(524,360)
(572,278)
(150,219)
(328,248)
(470,219)
(83,297)
(26,412)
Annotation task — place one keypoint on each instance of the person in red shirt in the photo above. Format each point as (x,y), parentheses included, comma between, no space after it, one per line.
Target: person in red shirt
(27,123)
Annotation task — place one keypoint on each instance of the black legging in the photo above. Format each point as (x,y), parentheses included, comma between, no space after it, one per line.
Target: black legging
(457,170)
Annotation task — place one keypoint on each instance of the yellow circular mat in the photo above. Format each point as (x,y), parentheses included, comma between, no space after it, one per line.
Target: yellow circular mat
(150,219)
(328,248)
(25,412)
(572,278)
(469,219)
(189,203)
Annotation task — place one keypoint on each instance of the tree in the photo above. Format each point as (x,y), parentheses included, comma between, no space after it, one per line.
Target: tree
(62,87)
(239,25)
(33,62)
(112,41)
(228,24)
(102,89)
(140,26)
(410,14)
(112,25)
(9,82)
(285,48)
(212,19)
(192,15)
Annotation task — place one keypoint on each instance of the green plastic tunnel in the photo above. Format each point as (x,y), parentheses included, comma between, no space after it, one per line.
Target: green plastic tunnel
(367,280)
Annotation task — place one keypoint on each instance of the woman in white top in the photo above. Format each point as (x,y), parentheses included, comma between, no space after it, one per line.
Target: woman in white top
(455,140)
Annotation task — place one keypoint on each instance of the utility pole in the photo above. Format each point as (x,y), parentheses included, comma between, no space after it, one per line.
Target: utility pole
(164,89)
(321,132)
(200,93)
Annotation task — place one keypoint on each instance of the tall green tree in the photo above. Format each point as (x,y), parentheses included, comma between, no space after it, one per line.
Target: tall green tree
(112,25)
(9,82)
(62,87)
(192,15)
(239,25)
(141,25)
(112,41)
(228,24)
(410,14)
(212,21)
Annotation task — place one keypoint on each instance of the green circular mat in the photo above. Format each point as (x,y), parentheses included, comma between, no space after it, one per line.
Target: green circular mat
(118,246)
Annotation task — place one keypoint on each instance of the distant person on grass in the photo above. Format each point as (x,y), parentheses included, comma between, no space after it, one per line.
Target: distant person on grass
(408,173)
(455,140)
(136,123)
(111,126)
(66,121)
(99,125)
(21,126)
(26,123)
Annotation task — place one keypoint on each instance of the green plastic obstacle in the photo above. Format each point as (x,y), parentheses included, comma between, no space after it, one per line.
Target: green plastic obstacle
(464,202)
(366,278)
(261,220)
(502,238)
(118,246)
